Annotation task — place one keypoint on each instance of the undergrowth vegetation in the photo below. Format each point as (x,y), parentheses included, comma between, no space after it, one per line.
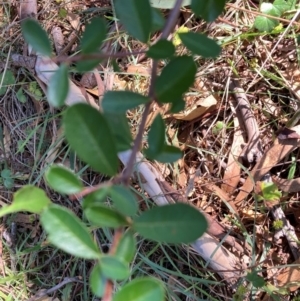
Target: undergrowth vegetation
(167,167)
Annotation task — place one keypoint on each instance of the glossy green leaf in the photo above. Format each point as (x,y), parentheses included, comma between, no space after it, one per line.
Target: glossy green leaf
(209,10)
(200,44)
(158,20)
(120,129)
(36,36)
(89,134)
(124,200)
(143,289)
(87,65)
(176,223)
(121,101)
(156,137)
(167,4)
(114,268)
(6,78)
(168,154)
(126,247)
(97,281)
(63,180)
(102,216)
(93,36)
(28,198)
(161,50)
(175,79)
(136,16)
(58,87)
(66,231)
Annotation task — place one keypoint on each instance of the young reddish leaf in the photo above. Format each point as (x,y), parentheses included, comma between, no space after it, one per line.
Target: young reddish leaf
(209,10)
(143,289)
(136,16)
(93,36)
(63,180)
(36,36)
(200,44)
(90,136)
(176,223)
(175,79)
(66,231)
(121,101)
(58,87)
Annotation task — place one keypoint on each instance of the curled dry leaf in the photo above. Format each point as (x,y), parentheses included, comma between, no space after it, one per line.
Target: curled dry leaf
(287,185)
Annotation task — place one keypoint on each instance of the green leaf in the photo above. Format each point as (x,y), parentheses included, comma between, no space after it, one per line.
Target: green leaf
(126,247)
(67,232)
(103,216)
(6,173)
(36,36)
(158,20)
(177,105)
(124,200)
(168,154)
(87,65)
(156,137)
(209,10)
(121,101)
(282,5)
(7,79)
(28,198)
(96,197)
(58,86)
(93,36)
(114,268)
(176,223)
(9,183)
(120,129)
(136,16)
(90,136)
(143,289)
(256,280)
(63,180)
(21,96)
(200,44)
(270,191)
(263,23)
(161,50)
(167,4)
(97,281)
(171,84)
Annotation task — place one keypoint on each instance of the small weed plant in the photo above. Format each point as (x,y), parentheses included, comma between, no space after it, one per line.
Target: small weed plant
(98,136)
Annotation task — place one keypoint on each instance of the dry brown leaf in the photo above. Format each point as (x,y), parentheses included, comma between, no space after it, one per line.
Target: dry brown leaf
(27,8)
(288,275)
(287,185)
(292,77)
(198,109)
(279,150)
(233,169)
(58,38)
(74,20)
(139,69)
